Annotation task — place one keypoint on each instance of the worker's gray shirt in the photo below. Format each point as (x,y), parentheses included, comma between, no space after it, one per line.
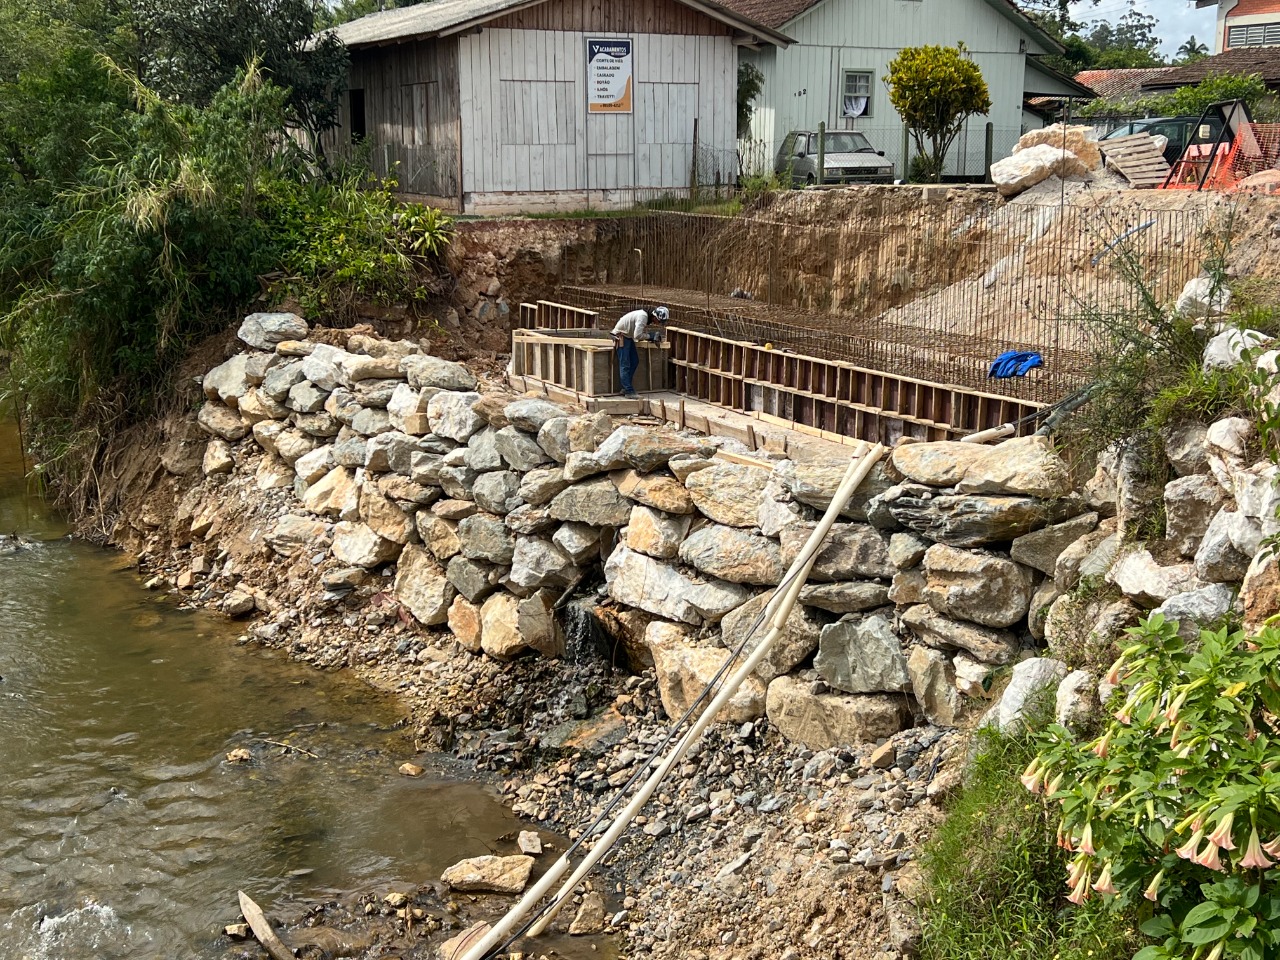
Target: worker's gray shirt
(633,325)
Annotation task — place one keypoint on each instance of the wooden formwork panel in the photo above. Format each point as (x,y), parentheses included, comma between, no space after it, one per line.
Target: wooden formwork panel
(831,395)
(584,364)
(546,315)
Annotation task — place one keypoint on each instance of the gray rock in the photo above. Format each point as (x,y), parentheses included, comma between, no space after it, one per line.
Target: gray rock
(658,588)
(324,366)
(1023,466)
(1091,555)
(370,422)
(553,437)
(482,452)
(824,721)
(1149,584)
(906,550)
(972,521)
(293,445)
(458,482)
(264,330)
(407,409)
(729,493)
(578,540)
(852,551)
(1076,699)
(294,535)
(352,452)
(425,371)
(312,466)
(377,393)
(228,381)
(474,579)
(1189,504)
(1032,679)
(815,482)
(540,486)
(862,656)
(635,447)
(282,378)
(530,415)
(486,537)
(393,452)
(933,682)
(1227,547)
(1202,608)
(525,520)
(538,562)
(734,555)
(520,449)
(306,397)
(342,405)
(844,597)
(497,492)
(451,416)
(976,586)
(359,369)
(1187,449)
(595,502)
(793,647)
(421,586)
(1041,548)
(267,432)
(989,646)
(317,424)
(1041,601)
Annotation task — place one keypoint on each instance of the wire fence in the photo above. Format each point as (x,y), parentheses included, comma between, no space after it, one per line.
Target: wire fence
(930,293)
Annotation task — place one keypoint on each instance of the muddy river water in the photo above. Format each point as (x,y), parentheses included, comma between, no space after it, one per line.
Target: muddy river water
(124,831)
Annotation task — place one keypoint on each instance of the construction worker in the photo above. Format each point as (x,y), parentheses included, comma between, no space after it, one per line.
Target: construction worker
(634,327)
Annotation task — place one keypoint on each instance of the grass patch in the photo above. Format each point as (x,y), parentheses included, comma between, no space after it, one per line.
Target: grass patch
(995,876)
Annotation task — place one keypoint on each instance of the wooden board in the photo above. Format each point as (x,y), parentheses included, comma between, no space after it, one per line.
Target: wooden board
(1138,159)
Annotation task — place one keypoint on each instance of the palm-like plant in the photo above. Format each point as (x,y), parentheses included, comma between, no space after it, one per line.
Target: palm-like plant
(1192,49)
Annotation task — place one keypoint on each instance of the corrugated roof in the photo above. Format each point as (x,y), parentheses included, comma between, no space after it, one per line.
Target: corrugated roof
(443,17)
(1264,61)
(1111,84)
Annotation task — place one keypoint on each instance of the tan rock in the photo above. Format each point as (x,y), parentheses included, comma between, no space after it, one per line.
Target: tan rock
(383,516)
(1078,139)
(465,623)
(654,490)
(333,494)
(356,545)
(500,627)
(824,721)
(421,586)
(438,535)
(1026,466)
(798,640)
(979,587)
(591,916)
(729,493)
(684,670)
(735,555)
(1260,592)
(654,533)
(490,874)
(940,464)
(455,947)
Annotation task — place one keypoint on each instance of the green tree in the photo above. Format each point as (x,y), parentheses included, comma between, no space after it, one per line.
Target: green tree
(1129,42)
(347,10)
(935,90)
(750,83)
(1192,50)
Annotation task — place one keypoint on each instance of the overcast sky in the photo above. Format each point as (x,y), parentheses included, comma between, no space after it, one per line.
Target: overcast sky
(1178,19)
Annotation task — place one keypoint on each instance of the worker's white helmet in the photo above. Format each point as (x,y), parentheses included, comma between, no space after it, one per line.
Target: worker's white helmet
(661,314)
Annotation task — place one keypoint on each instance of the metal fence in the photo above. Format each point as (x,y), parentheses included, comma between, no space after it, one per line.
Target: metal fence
(934,292)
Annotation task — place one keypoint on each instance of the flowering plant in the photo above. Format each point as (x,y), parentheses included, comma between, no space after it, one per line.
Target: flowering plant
(1178,801)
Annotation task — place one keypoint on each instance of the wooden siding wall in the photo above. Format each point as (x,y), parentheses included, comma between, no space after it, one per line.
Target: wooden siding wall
(803,82)
(526,127)
(411,103)
(653,16)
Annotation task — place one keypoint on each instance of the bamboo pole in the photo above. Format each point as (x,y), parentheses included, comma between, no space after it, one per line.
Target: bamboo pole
(777,611)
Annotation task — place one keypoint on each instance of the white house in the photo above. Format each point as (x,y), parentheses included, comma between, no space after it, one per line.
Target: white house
(491,106)
(1245,23)
(834,71)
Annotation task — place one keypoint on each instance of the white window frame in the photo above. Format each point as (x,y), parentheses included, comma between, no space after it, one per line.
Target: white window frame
(1253,35)
(846,74)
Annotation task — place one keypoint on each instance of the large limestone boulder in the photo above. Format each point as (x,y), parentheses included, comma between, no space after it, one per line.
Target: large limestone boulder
(263,331)
(729,493)
(500,627)
(862,656)
(845,597)
(579,541)
(421,586)
(987,645)
(484,536)
(336,494)
(661,589)
(1025,169)
(655,533)
(1187,449)
(538,625)
(1227,349)
(1227,547)
(734,555)
(636,447)
(596,502)
(531,414)
(1041,549)
(974,520)
(539,487)
(655,490)
(538,562)
(825,721)
(1091,555)
(815,482)
(1147,583)
(933,682)
(407,410)
(1031,680)
(1228,443)
(217,458)
(979,587)
(324,366)
(684,670)
(384,517)
(358,546)
(497,492)
(520,449)
(489,874)
(940,464)
(1079,139)
(1190,503)
(793,647)
(438,535)
(294,535)
(1025,466)
(474,579)
(1203,297)
(425,371)
(228,381)
(222,422)
(852,551)
(1205,607)
(451,415)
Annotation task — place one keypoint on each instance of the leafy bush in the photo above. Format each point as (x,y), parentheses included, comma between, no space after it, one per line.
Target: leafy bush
(1172,803)
(994,875)
(1185,101)
(935,90)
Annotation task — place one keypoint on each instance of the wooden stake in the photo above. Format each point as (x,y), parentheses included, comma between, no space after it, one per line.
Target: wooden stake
(261,928)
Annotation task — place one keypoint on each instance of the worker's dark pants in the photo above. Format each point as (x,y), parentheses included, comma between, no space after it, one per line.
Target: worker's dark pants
(628,361)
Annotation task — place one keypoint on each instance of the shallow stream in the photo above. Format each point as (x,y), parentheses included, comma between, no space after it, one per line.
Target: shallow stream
(124,830)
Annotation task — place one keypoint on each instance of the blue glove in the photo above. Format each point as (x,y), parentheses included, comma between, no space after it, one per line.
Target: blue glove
(1014,363)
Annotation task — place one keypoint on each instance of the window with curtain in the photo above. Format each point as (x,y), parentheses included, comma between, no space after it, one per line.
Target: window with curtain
(856,95)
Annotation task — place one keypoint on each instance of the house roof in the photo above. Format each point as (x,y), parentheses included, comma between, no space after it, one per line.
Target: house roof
(1264,61)
(1052,85)
(776,13)
(1111,84)
(446,17)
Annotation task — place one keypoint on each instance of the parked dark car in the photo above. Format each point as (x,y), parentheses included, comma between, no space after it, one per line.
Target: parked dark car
(850,158)
(1179,131)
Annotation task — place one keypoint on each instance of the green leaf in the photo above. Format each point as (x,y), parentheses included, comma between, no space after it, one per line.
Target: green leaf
(1159,926)
(1200,913)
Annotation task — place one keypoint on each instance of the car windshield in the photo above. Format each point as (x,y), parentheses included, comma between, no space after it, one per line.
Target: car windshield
(848,143)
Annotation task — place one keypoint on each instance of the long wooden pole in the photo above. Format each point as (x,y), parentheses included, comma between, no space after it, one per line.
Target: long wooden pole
(778,609)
